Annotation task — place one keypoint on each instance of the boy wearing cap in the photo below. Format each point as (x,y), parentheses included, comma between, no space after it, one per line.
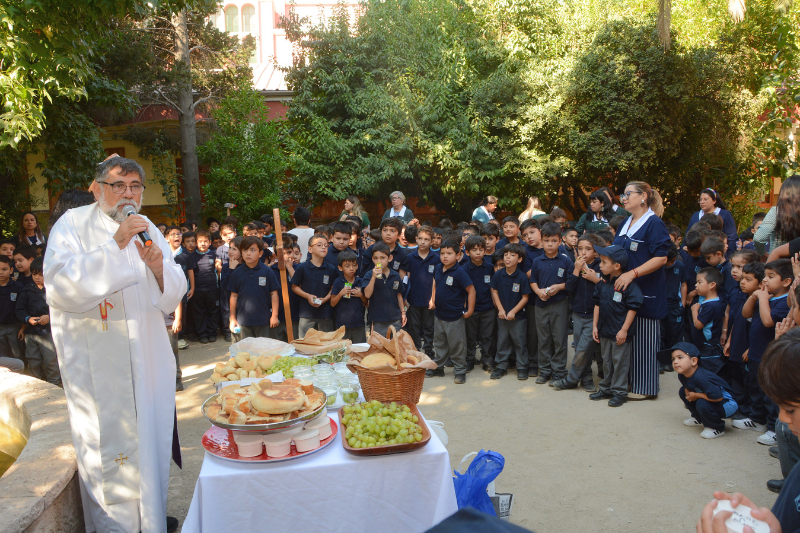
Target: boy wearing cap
(706,395)
(613,325)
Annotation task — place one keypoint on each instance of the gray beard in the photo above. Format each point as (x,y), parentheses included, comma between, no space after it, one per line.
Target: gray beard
(115,212)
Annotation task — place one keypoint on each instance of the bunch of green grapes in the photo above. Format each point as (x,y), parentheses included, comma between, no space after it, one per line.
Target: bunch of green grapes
(376,424)
(285,365)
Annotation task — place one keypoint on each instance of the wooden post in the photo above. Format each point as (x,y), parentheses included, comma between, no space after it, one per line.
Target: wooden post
(287,314)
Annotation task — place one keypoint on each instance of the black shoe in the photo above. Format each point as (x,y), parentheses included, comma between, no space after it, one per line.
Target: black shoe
(775,485)
(542,379)
(203,340)
(178,385)
(212,339)
(522,374)
(589,387)
(773,451)
(470,367)
(599,395)
(486,367)
(562,384)
(533,372)
(228,337)
(192,337)
(439,372)
(460,379)
(498,373)
(616,401)
(172,524)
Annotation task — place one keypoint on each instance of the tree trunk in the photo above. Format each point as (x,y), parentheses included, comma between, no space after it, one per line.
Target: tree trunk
(191,171)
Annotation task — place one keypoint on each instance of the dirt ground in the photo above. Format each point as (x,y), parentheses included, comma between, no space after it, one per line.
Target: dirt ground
(571,463)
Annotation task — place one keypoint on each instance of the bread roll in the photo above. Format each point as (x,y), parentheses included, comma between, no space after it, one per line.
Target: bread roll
(218,368)
(278,400)
(233,377)
(412,359)
(307,386)
(406,365)
(378,359)
(265,384)
(241,358)
(265,362)
(252,374)
(250,365)
(242,373)
(218,378)
(227,369)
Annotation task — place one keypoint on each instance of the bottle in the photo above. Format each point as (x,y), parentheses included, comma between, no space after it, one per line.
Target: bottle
(379,276)
(237,329)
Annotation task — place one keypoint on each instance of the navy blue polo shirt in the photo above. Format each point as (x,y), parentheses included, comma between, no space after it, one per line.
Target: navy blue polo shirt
(711,314)
(547,271)
(225,276)
(481,276)
(451,292)
(531,254)
(420,277)
(786,508)
(317,281)
(332,258)
(729,285)
(8,302)
(383,304)
(510,290)
(582,291)
(693,266)
(738,327)
(205,271)
(399,260)
(269,240)
(760,335)
(706,382)
(254,288)
(614,306)
(566,250)
(294,300)
(24,280)
(266,255)
(675,278)
(349,312)
(502,242)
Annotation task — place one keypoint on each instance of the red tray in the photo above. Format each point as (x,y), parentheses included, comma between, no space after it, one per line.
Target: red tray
(219,442)
(392,448)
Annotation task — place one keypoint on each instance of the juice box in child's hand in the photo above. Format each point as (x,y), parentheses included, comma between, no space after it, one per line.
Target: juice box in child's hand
(348,286)
(379,276)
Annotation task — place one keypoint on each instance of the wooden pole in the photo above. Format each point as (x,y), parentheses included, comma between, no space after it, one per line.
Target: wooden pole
(287,313)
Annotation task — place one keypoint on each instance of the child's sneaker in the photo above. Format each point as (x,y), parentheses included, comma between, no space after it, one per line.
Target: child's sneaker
(498,373)
(768,439)
(692,422)
(747,423)
(711,433)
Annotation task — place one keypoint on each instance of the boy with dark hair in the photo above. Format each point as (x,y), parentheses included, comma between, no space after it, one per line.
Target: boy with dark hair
(410,234)
(342,231)
(451,288)
(313,282)
(511,232)
(436,243)
(548,281)
(269,225)
(302,230)
(766,307)
(569,240)
(422,263)
(250,230)
(445,224)
(532,237)
(483,322)
(615,223)
(694,263)
(672,324)
(254,294)
(228,233)
(706,395)
(707,317)
(324,230)
(24,255)
(203,289)
(383,287)
(675,236)
(7,249)
(189,241)
(613,326)
(10,327)
(348,300)
(491,234)
(216,240)
(280,332)
(390,233)
(510,289)
(32,310)
(606,234)
(714,221)
(180,255)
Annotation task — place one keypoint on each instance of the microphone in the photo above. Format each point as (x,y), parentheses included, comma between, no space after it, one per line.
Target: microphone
(143,235)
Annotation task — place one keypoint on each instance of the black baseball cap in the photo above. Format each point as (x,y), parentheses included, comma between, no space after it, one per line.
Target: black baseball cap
(665,356)
(615,253)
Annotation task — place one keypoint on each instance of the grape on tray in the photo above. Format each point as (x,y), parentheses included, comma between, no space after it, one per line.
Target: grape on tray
(373,424)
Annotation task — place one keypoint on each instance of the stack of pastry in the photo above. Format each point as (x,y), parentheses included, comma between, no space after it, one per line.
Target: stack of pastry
(265,402)
(243,366)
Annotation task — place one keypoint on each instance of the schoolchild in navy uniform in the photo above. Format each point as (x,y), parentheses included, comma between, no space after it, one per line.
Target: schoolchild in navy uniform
(491,234)
(672,324)
(10,327)
(510,292)
(510,232)
(482,325)
(548,280)
(738,340)
(451,288)
(254,294)
(348,300)
(233,259)
(695,262)
(269,226)
(613,324)
(24,255)
(713,251)
(280,332)
(580,285)
(766,307)
(356,245)
(227,232)
(569,240)
(32,309)
(532,237)
(708,314)
(421,265)
(342,231)
(390,233)
(203,288)
(313,281)
(383,287)
(706,395)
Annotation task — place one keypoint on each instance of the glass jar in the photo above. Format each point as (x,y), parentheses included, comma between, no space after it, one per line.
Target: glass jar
(331,391)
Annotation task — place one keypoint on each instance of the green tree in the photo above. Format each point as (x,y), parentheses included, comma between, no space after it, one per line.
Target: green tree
(245,158)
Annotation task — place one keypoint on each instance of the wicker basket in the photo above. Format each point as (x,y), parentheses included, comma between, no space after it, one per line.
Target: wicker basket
(400,385)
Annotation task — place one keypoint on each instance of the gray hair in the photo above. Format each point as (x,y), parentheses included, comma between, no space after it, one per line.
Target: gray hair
(398,193)
(126,166)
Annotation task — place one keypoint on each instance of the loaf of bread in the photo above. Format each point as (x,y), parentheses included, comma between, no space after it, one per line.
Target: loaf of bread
(278,400)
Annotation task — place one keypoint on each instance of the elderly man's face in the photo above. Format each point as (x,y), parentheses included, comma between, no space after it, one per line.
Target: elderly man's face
(112,203)
(397,202)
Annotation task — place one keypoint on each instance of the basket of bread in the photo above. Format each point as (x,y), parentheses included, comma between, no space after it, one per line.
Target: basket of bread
(391,369)
(264,405)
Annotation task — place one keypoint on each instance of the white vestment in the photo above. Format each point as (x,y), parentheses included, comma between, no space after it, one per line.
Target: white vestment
(117,366)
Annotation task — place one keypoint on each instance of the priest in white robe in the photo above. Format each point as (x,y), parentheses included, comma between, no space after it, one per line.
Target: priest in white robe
(108,294)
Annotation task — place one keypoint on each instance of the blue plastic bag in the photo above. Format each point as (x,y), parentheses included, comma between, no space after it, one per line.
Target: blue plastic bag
(471,485)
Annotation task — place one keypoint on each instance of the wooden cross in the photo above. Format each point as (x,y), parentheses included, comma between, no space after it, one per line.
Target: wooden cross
(121,460)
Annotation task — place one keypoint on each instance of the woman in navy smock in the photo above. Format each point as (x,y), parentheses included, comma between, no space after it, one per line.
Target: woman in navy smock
(710,202)
(644,236)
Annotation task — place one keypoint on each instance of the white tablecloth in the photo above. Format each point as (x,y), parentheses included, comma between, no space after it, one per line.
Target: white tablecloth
(328,491)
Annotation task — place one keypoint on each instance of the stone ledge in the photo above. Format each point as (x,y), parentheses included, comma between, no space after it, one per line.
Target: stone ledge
(47,465)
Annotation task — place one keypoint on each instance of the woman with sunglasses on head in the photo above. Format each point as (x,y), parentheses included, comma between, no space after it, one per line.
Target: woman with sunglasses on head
(646,240)
(710,202)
